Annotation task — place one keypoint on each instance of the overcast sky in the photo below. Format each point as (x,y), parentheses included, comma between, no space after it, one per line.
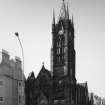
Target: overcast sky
(33,20)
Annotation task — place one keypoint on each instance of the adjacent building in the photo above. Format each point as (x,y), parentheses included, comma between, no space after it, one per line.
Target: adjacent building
(96,100)
(82,94)
(11,80)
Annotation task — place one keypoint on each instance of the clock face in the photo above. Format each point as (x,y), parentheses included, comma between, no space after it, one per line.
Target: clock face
(61,32)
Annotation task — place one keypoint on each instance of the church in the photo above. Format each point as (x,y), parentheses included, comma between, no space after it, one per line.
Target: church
(58,86)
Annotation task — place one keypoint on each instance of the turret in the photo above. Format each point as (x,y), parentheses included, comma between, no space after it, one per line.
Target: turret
(67,13)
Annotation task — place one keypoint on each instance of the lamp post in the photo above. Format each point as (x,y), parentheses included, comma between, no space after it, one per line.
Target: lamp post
(23,100)
(17,35)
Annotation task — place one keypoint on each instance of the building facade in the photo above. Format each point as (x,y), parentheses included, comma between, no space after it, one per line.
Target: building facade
(96,100)
(11,87)
(58,86)
(63,59)
(82,94)
(38,90)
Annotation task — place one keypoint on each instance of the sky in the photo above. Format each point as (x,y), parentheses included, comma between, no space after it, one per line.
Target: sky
(32,19)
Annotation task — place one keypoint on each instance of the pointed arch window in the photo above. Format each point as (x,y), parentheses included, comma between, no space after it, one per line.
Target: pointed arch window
(60,50)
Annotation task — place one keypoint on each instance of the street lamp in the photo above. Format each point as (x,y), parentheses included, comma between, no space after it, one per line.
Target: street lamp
(17,35)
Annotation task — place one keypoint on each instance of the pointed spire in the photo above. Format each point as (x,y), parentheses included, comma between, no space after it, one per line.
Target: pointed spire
(67,13)
(32,74)
(72,20)
(53,17)
(43,65)
(63,11)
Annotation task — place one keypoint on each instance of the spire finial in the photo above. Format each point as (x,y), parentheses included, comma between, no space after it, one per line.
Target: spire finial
(53,17)
(43,63)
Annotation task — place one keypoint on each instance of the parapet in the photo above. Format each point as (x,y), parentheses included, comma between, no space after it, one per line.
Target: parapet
(11,62)
(83,84)
(5,56)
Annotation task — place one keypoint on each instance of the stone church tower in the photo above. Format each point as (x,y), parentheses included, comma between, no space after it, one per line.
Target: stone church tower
(63,59)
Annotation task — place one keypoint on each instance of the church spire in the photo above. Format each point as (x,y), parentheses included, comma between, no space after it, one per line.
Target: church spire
(67,14)
(63,11)
(53,17)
